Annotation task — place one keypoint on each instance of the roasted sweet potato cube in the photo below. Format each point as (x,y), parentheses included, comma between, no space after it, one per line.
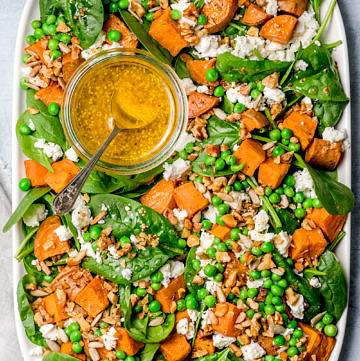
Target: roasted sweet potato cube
(188,198)
(126,343)
(307,244)
(219,231)
(272,174)
(302,126)
(226,324)
(66,348)
(167,295)
(55,306)
(200,103)
(127,40)
(218,13)
(72,279)
(331,225)
(293,7)
(35,172)
(203,346)
(160,197)
(93,298)
(253,119)
(279,29)
(166,32)
(323,153)
(255,15)
(175,347)
(198,68)
(319,346)
(52,94)
(252,154)
(179,315)
(69,65)
(37,49)
(47,242)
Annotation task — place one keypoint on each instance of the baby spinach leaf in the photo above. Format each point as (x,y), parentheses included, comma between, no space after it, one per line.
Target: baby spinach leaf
(198,166)
(181,69)
(316,6)
(33,195)
(288,221)
(149,351)
(235,69)
(19,255)
(84,17)
(150,44)
(199,3)
(335,197)
(26,314)
(139,329)
(217,356)
(226,106)
(328,113)
(27,143)
(190,273)
(57,356)
(333,285)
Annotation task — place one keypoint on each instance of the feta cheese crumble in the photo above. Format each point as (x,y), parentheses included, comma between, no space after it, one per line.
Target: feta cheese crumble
(252,351)
(51,150)
(184,139)
(127,273)
(172,269)
(271,7)
(211,213)
(206,240)
(209,47)
(297,310)
(188,86)
(255,283)
(334,135)
(282,242)
(301,65)
(71,155)
(273,96)
(63,233)
(109,340)
(81,214)
(186,328)
(35,214)
(304,183)
(222,341)
(176,170)
(261,221)
(31,125)
(314,282)
(49,331)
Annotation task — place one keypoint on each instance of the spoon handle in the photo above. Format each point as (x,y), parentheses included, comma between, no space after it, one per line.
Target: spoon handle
(65,200)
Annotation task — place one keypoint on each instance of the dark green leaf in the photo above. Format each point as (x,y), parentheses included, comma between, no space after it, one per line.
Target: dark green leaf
(149,351)
(217,356)
(316,6)
(328,113)
(222,132)
(200,168)
(181,69)
(150,44)
(288,221)
(33,195)
(57,356)
(333,285)
(199,3)
(84,17)
(226,106)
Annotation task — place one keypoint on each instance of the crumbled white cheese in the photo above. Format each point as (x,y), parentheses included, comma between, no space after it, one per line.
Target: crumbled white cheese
(34,262)
(271,7)
(301,65)
(205,319)
(193,314)
(202,89)
(133,239)
(63,233)
(304,183)
(234,96)
(334,135)
(252,351)
(127,273)
(282,242)
(222,341)
(109,340)
(260,237)
(298,309)
(81,214)
(172,269)
(206,240)
(212,286)
(71,155)
(182,5)
(314,282)
(261,221)
(211,213)
(255,283)
(308,102)
(209,47)
(184,139)
(181,215)
(176,170)
(113,251)
(49,331)
(31,125)
(274,96)
(35,214)
(238,199)
(188,85)
(51,150)
(186,328)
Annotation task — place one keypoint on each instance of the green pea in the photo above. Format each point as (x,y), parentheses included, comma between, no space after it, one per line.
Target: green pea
(156,286)
(55,54)
(285,317)
(230,160)
(327,319)
(254,274)
(277,290)
(223,208)
(202,19)
(218,277)
(279,340)
(275,277)
(196,264)
(269,309)
(237,185)
(202,293)
(157,277)
(39,33)
(265,273)
(290,180)
(274,198)
(36,24)
(299,197)
(48,278)
(154,306)
(268,298)
(308,203)
(51,29)
(94,246)
(219,91)
(243,294)
(316,203)
(217,241)
(294,147)
(252,292)
(219,267)
(293,341)
(120,355)
(25,184)
(211,75)
(256,251)
(65,38)
(181,243)
(289,191)
(300,213)
(283,283)
(290,262)
(276,300)
(103,324)
(76,347)
(250,313)
(260,86)
(278,151)
(267,191)
(292,324)
(95,232)
(191,303)
(298,333)
(220,221)
(141,292)
(244,184)
(129,358)
(25,58)
(74,326)
(220,164)
(275,134)
(50,19)
(53,44)
(114,35)
(113,7)
(279,191)
(239,108)
(211,252)
(319,325)
(228,189)
(189,147)
(59,20)
(53,108)
(255,93)
(245,231)
(224,154)
(209,160)
(75,336)
(123,240)
(96,333)
(280,308)
(292,351)
(30,39)
(222,247)
(199,180)
(210,270)
(176,14)
(210,301)
(235,233)
(23,82)
(269,358)
(183,154)
(216,201)
(267,247)
(181,305)
(286,133)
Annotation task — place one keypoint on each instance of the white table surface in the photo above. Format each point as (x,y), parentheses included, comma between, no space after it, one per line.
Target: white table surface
(10,11)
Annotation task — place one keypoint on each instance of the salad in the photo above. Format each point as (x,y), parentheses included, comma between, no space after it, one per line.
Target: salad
(225,251)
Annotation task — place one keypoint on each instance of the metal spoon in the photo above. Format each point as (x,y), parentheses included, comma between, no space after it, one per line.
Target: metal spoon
(64,201)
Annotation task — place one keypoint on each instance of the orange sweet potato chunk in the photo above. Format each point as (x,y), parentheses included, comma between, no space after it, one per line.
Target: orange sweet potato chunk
(37,49)
(198,68)
(35,172)
(203,346)
(166,32)
(319,346)
(51,94)
(64,171)
(253,119)
(272,174)
(127,40)
(219,13)
(47,242)
(255,15)
(226,324)
(323,153)
(331,225)
(160,197)
(307,244)
(252,154)
(179,315)
(302,126)
(72,279)
(70,65)
(66,348)
(126,343)
(200,103)
(188,198)
(279,29)
(93,298)
(293,7)
(175,347)
(55,306)
(167,295)
(219,231)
